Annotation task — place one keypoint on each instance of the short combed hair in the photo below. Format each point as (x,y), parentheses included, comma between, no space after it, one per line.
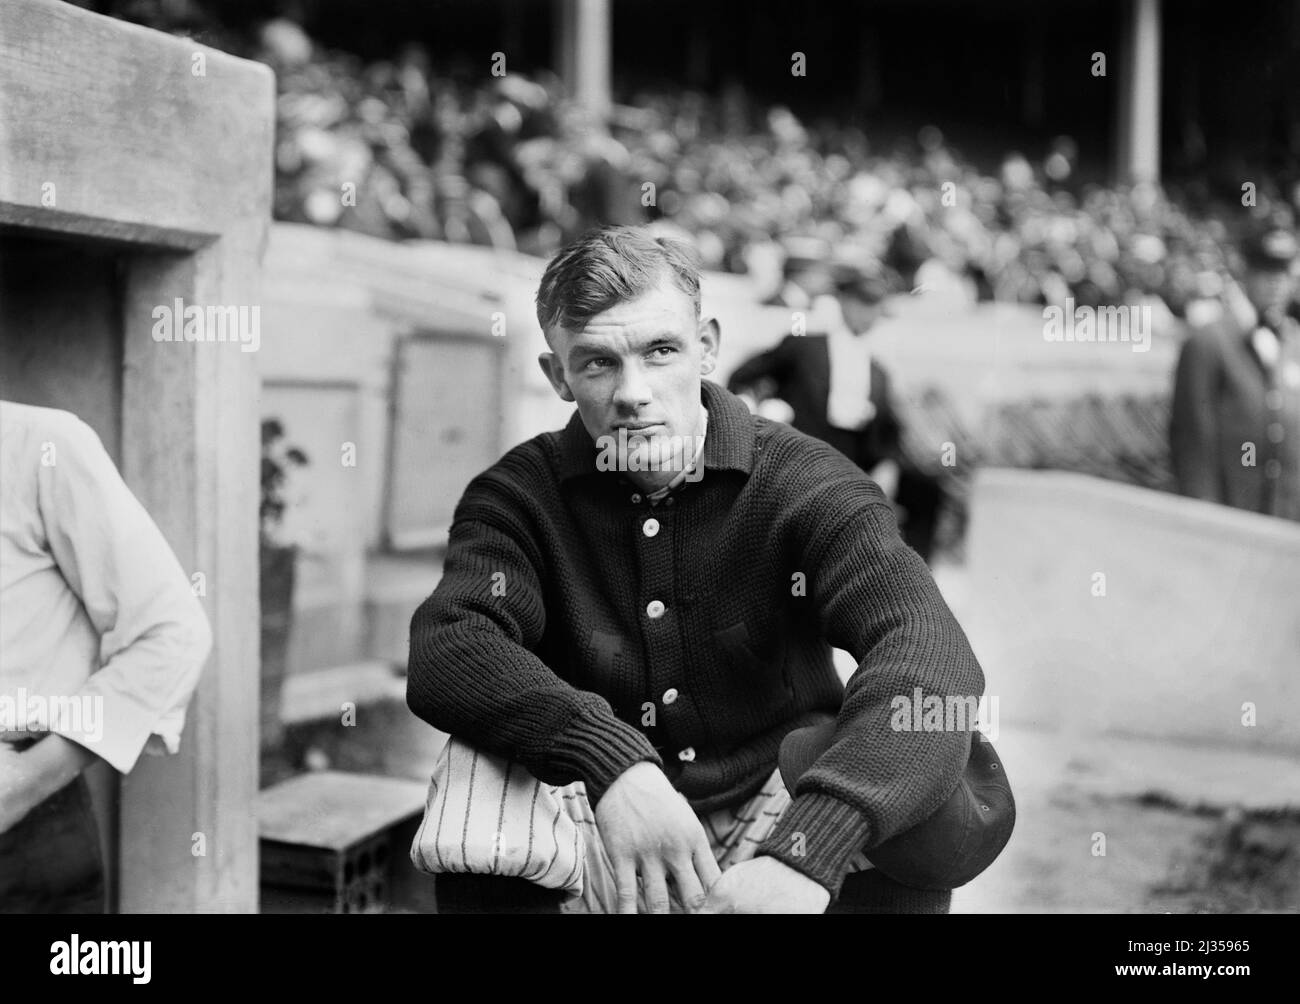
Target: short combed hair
(607,266)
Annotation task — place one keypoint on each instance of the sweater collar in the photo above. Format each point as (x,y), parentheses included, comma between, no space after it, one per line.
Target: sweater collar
(728,440)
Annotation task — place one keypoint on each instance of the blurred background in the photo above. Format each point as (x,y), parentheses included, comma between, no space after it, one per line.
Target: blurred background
(429,157)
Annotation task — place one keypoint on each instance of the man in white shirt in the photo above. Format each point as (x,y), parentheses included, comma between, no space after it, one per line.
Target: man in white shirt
(101,645)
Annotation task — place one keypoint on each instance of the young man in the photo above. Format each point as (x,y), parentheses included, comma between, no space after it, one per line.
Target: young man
(656,634)
(101,645)
(1235,420)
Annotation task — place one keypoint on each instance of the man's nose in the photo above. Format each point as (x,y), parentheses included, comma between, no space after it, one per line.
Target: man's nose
(633,390)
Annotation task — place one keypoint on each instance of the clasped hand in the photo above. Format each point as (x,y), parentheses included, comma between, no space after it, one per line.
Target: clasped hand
(650,832)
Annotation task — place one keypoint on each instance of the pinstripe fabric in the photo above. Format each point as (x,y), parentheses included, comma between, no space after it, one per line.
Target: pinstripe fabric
(490,816)
(485,814)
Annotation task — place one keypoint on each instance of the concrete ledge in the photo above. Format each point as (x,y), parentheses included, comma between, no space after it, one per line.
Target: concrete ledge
(1198,621)
(1191,777)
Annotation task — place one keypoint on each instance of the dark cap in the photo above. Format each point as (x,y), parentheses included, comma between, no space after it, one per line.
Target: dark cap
(950,847)
(803,252)
(871,285)
(857,271)
(1271,249)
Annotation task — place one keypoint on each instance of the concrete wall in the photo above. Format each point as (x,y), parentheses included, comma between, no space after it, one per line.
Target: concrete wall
(336,307)
(1200,613)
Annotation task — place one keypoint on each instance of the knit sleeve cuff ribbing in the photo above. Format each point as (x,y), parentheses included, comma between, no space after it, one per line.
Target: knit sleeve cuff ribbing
(599,749)
(817,835)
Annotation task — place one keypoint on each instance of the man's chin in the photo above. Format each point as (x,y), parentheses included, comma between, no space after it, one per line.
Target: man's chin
(644,448)
(647,457)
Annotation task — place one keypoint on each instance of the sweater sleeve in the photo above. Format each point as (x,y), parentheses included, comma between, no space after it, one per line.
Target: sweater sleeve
(876,599)
(473,671)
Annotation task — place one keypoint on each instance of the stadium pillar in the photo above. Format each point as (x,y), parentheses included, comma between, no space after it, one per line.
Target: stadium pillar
(583,52)
(1138,146)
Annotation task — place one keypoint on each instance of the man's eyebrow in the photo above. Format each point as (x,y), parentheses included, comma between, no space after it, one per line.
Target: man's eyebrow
(584,349)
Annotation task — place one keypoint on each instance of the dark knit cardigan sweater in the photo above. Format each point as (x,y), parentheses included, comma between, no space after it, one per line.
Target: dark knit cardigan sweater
(567,636)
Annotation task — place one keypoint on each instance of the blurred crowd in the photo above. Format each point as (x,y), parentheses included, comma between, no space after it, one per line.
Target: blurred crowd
(394,149)
(401,148)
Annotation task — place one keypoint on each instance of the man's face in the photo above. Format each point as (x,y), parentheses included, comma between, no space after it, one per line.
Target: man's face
(859,314)
(813,279)
(637,366)
(1270,290)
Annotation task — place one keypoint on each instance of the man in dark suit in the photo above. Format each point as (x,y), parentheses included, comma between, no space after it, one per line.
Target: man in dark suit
(1235,423)
(839,393)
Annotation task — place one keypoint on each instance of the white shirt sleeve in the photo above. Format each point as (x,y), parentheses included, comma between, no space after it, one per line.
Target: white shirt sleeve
(154,635)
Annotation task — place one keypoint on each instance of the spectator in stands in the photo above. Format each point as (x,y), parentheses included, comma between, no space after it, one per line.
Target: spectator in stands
(101,645)
(1235,423)
(655,632)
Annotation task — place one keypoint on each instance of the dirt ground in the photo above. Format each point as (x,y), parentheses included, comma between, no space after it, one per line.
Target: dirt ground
(1158,858)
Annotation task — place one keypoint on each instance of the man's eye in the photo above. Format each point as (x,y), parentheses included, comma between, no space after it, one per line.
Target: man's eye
(667,350)
(598,362)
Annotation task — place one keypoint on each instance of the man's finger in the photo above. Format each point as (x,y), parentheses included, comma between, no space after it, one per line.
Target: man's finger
(656,886)
(706,866)
(625,882)
(688,883)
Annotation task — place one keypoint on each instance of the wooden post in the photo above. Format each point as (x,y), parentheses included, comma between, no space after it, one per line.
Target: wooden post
(1138,115)
(165,146)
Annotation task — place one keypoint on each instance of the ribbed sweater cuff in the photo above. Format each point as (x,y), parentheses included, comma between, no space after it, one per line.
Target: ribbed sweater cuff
(817,835)
(598,750)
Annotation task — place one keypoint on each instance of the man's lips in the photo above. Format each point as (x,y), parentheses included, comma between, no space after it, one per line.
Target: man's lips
(639,427)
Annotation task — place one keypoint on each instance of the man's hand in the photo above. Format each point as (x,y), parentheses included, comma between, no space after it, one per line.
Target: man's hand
(648,829)
(27,779)
(766,885)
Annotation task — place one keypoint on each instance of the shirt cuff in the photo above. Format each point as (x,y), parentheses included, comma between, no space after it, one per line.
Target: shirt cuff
(598,750)
(817,836)
(118,729)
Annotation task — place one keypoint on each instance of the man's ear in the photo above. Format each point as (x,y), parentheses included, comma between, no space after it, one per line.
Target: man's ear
(710,335)
(554,370)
